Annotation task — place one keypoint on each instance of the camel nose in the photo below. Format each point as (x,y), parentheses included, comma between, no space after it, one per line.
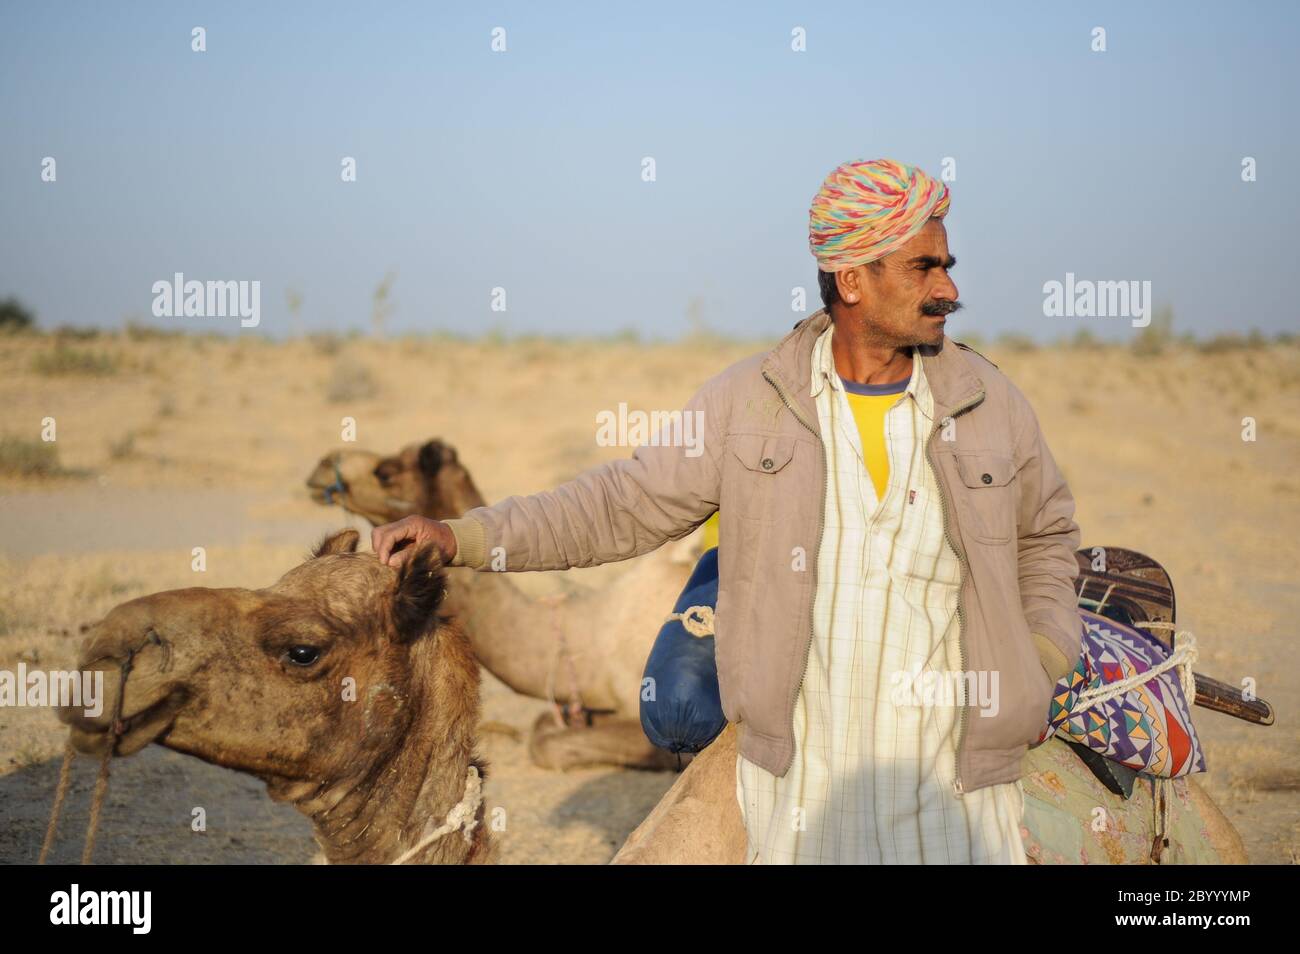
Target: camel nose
(88,699)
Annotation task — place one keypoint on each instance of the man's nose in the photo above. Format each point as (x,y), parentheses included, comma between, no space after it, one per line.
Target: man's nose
(946,288)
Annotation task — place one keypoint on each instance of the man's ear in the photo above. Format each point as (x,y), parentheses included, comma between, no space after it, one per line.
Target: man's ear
(345,541)
(421,588)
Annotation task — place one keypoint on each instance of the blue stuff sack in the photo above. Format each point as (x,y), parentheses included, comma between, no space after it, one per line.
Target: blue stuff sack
(681,707)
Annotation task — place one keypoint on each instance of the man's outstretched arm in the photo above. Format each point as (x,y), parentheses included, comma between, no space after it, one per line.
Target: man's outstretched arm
(612,512)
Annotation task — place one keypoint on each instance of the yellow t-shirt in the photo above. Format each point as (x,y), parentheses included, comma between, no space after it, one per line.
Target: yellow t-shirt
(711,532)
(869,404)
(869,414)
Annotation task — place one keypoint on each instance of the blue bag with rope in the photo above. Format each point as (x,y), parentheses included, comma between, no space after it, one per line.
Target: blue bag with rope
(681,705)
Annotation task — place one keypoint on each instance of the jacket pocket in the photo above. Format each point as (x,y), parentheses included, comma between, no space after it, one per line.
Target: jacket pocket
(756,460)
(988,503)
(762,453)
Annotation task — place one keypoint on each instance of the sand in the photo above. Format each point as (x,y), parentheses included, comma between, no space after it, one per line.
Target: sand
(188,442)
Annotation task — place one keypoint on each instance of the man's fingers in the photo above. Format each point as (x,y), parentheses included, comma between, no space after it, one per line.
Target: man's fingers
(385,538)
(381,542)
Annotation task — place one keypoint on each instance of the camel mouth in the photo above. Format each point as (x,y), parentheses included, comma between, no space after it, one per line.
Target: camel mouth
(134,732)
(327,487)
(325,499)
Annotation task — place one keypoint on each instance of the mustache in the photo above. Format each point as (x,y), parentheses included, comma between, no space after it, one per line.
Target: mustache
(940,306)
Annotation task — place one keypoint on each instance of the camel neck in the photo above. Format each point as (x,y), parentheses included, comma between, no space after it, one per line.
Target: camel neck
(375,818)
(510,631)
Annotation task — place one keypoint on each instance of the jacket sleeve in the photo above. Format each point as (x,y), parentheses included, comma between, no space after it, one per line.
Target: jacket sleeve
(1047,538)
(615,511)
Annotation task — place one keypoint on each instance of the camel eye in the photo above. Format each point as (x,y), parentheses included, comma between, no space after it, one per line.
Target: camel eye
(303,655)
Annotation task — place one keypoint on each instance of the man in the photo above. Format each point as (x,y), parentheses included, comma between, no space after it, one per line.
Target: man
(889,513)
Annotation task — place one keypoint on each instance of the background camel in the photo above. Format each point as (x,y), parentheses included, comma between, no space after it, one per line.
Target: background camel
(698,820)
(582,645)
(340,686)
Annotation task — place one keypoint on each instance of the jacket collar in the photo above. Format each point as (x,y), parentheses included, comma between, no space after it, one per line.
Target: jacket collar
(948,372)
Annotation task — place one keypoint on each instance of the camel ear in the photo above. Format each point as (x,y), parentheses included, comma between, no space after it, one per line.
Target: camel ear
(421,586)
(345,541)
(432,456)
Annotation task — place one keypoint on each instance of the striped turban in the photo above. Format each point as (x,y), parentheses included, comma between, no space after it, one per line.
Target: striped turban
(869,208)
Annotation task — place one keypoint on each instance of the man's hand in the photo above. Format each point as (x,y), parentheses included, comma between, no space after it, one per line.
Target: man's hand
(395,542)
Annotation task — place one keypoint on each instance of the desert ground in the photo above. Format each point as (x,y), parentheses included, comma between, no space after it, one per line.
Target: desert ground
(169,442)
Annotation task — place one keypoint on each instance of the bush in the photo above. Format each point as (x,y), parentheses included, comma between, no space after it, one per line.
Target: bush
(350,381)
(65,359)
(1017,343)
(28,458)
(14,317)
(1157,336)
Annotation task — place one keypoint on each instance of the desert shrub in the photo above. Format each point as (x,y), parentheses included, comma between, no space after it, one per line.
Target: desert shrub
(28,458)
(350,381)
(1017,343)
(64,359)
(15,317)
(1157,336)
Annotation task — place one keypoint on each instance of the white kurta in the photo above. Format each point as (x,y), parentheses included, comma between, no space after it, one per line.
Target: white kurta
(872,780)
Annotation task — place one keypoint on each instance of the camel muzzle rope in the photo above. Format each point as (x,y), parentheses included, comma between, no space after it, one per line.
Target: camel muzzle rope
(115,732)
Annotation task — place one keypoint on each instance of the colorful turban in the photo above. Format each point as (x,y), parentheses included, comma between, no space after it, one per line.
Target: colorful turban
(868,208)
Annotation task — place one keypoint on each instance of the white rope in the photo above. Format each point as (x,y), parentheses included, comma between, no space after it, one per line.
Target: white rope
(1182,656)
(463,817)
(1183,653)
(1105,596)
(701,626)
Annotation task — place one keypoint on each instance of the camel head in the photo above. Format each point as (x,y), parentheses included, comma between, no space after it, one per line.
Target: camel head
(339,685)
(425,479)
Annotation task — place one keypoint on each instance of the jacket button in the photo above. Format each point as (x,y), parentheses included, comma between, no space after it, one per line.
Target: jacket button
(767,463)
(987,478)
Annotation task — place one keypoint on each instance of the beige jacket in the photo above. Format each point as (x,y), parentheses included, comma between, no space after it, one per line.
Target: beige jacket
(1008,513)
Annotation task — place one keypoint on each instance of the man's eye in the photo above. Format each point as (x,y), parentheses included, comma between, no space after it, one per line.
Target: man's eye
(303,655)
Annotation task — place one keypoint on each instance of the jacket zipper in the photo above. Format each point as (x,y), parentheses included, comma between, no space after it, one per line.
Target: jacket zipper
(961,581)
(821,525)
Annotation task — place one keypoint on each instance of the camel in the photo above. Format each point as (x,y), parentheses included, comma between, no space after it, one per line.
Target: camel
(698,821)
(587,646)
(340,686)
(347,692)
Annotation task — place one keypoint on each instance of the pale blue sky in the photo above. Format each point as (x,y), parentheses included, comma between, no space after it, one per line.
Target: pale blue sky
(479,169)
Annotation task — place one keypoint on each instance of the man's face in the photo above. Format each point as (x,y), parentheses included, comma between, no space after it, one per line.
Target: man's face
(903,298)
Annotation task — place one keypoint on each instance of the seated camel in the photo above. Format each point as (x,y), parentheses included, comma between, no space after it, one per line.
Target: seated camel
(343,688)
(340,686)
(698,821)
(587,648)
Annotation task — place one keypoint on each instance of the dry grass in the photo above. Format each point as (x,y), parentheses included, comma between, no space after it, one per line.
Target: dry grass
(1151,446)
